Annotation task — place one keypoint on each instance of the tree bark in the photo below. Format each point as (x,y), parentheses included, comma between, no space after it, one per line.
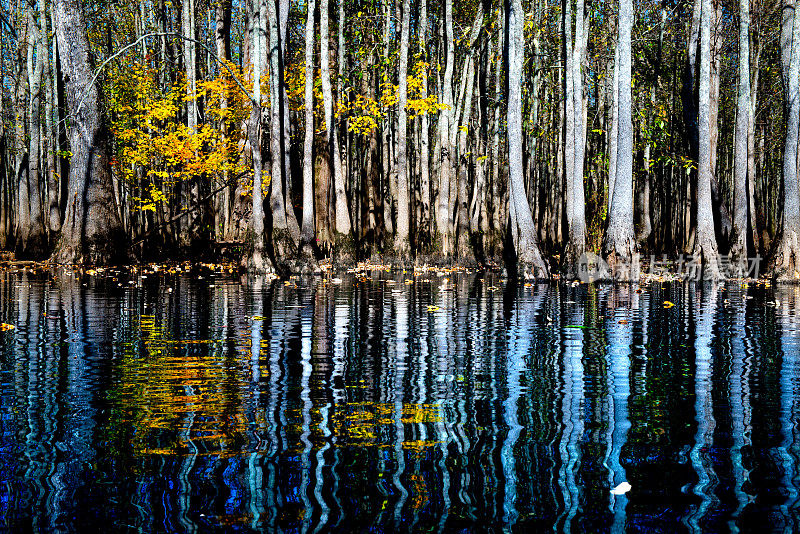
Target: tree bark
(307,233)
(620,243)
(444,229)
(529,261)
(740,191)
(342,223)
(705,240)
(31,235)
(92,231)
(786,262)
(402,246)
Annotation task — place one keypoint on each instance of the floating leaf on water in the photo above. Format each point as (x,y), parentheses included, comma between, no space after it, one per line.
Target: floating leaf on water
(575,326)
(668,304)
(5,327)
(621,489)
(433,308)
(258,318)
(623,321)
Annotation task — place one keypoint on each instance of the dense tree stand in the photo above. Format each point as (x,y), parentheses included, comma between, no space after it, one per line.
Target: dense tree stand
(458,133)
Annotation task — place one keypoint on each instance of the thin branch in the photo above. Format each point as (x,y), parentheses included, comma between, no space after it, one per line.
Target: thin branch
(161,34)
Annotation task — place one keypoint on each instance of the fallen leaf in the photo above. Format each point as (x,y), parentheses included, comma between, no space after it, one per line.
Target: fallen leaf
(668,304)
(621,489)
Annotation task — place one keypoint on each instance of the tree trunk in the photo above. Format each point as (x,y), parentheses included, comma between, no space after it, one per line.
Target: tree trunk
(307,233)
(259,261)
(529,261)
(31,236)
(576,206)
(444,229)
(341,211)
(620,243)
(705,240)
(424,224)
(401,245)
(280,227)
(92,232)
(740,208)
(786,263)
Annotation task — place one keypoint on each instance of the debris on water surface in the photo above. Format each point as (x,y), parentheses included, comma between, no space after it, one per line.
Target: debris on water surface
(621,489)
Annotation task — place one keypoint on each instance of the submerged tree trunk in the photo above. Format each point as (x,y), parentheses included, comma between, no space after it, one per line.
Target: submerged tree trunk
(259,261)
(705,240)
(280,227)
(342,224)
(444,229)
(401,243)
(620,243)
(786,263)
(92,231)
(307,232)
(529,261)
(576,205)
(31,235)
(740,191)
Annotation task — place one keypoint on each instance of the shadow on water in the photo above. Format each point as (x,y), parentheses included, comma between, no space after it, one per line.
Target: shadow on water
(396,403)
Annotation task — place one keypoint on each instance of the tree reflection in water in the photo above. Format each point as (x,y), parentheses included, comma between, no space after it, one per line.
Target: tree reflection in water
(182,404)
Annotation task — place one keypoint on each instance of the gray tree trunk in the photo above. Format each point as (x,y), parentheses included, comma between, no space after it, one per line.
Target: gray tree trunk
(705,240)
(31,236)
(424,224)
(402,245)
(341,211)
(444,229)
(614,135)
(259,262)
(786,263)
(92,231)
(280,227)
(741,149)
(307,232)
(529,260)
(620,243)
(576,214)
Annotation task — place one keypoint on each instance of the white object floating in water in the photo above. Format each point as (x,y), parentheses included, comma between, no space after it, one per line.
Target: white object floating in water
(622,489)
(336,280)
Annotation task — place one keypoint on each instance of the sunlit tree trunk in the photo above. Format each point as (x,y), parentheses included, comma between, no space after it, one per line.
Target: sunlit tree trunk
(341,212)
(424,224)
(620,243)
(280,227)
(444,232)
(740,190)
(706,242)
(529,261)
(222,40)
(402,245)
(259,261)
(307,233)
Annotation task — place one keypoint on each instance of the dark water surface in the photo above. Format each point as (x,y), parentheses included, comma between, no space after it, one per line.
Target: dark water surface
(194,403)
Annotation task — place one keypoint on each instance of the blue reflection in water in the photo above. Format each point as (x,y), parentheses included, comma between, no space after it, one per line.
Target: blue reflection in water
(189,403)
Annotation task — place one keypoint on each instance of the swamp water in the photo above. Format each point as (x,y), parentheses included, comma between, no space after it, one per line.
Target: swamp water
(196,403)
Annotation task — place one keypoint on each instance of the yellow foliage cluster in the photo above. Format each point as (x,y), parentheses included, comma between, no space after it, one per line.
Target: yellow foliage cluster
(365,113)
(153,144)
